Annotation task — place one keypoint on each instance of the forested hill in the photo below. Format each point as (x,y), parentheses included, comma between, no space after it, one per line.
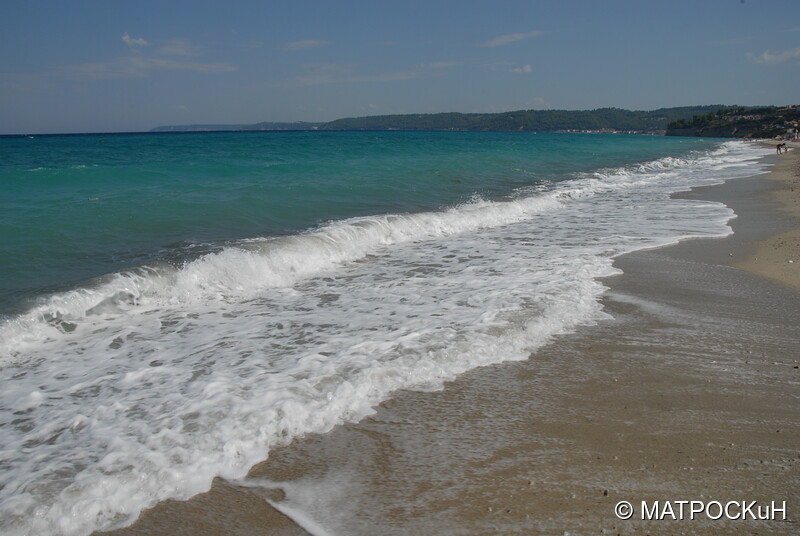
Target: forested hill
(740,122)
(602,119)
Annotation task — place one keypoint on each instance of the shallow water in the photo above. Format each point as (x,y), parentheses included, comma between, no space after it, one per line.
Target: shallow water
(245,289)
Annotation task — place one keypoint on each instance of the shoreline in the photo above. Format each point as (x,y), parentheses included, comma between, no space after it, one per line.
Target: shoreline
(688,393)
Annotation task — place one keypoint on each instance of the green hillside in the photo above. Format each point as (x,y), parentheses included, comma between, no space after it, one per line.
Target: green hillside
(739,122)
(602,119)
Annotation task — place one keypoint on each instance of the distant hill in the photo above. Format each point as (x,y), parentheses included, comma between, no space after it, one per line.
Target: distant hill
(600,120)
(739,122)
(298,125)
(712,121)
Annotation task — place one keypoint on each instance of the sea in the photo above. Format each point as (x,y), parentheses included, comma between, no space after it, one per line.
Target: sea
(175,306)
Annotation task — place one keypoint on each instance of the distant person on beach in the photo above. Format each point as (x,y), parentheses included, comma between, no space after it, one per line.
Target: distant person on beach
(778,148)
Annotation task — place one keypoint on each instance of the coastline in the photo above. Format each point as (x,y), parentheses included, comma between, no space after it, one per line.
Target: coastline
(688,393)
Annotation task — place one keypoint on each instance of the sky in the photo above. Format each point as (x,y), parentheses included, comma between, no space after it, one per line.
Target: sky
(113,66)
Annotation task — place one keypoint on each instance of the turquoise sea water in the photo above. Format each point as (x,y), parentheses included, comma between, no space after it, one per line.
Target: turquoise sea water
(174,307)
(77,207)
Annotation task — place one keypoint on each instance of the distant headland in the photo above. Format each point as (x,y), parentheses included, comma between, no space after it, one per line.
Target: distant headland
(708,121)
(740,122)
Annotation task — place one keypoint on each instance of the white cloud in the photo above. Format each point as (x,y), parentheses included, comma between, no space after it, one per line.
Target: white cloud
(134,42)
(523,69)
(304,44)
(139,63)
(779,57)
(179,47)
(136,66)
(510,38)
(166,64)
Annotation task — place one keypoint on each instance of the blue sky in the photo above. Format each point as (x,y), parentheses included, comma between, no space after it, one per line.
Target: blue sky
(99,66)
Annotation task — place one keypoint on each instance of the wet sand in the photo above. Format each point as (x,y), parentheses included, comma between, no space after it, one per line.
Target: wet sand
(690,390)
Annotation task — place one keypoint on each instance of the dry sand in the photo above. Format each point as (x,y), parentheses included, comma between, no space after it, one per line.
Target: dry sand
(691,391)
(778,257)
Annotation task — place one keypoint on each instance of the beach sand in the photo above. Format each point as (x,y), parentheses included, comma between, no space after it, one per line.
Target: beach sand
(778,257)
(690,390)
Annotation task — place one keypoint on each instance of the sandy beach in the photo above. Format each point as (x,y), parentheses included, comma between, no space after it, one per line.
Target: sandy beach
(777,256)
(687,392)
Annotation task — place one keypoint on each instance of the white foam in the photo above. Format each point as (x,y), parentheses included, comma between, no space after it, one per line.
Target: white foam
(238,272)
(148,384)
